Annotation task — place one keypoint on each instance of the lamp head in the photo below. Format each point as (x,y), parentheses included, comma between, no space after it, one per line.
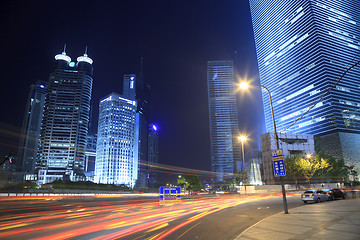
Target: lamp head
(244,85)
(242,138)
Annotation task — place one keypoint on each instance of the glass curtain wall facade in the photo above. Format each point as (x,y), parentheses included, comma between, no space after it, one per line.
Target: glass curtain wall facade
(303,47)
(134,88)
(116,158)
(66,120)
(30,134)
(224,127)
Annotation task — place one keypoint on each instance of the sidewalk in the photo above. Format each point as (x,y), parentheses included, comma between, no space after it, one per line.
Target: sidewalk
(339,219)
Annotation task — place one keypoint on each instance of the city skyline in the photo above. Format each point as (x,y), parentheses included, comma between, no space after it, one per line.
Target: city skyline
(174,61)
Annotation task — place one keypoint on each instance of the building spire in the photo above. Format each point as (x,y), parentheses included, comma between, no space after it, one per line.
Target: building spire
(64,52)
(141,74)
(85,57)
(63,56)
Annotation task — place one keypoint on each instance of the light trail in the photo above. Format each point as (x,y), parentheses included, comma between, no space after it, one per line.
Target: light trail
(111,220)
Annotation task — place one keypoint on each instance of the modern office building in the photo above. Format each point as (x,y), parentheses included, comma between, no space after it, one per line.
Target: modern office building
(153,156)
(66,119)
(30,134)
(224,129)
(303,47)
(134,88)
(90,157)
(116,151)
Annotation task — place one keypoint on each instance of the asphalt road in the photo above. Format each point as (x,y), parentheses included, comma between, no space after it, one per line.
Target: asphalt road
(199,217)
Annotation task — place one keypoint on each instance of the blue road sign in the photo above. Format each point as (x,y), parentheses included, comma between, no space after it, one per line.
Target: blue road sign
(278,163)
(169,195)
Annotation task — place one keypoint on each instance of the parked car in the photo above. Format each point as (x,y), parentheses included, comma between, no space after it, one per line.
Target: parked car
(335,193)
(314,196)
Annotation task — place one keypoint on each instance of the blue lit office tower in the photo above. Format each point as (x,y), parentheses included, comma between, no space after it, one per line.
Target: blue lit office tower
(116,151)
(30,134)
(66,119)
(153,155)
(224,129)
(134,88)
(303,47)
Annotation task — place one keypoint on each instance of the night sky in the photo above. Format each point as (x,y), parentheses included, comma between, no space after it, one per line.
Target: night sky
(175,38)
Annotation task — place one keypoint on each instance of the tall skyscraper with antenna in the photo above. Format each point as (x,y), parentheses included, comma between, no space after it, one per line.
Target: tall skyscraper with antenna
(66,119)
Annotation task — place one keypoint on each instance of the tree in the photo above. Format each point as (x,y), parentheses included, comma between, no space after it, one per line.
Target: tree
(292,168)
(190,182)
(309,166)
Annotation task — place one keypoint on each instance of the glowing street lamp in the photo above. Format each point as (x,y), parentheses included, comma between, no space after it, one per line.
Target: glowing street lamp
(245,85)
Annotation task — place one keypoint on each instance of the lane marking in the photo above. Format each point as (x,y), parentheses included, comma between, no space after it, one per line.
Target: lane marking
(188,230)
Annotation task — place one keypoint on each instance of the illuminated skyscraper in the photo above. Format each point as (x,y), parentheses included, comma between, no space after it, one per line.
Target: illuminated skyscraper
(134,88)
(116,151)
(30,134)
(66,119)
(224,129)
(303,47)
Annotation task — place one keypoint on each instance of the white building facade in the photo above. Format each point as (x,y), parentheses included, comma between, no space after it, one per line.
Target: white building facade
(116,158)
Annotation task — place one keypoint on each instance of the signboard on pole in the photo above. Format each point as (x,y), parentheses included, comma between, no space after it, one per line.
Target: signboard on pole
(278,163)
(169,195)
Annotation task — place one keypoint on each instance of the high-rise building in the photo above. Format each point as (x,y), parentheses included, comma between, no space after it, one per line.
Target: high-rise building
(30,134)
(90,157)
(135,88)
(116,151)
(153,155)
(129,86)
(303,47)
(224,129)
(66,119)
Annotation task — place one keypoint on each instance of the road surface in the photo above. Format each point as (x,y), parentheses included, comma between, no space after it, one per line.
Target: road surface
(101,217)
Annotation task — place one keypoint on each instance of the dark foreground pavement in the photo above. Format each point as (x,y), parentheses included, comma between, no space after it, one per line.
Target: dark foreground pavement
(338,219)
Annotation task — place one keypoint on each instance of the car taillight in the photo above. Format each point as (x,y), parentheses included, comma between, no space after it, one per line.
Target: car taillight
(312,195)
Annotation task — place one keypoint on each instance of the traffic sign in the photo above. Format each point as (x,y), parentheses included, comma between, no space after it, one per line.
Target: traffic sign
(169,195)
(278,163)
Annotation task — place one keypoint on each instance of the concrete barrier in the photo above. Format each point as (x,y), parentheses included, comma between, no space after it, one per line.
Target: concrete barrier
(353,194)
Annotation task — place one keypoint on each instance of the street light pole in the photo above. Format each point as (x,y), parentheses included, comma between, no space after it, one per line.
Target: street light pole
(242,139)
(243,156)
(245,85)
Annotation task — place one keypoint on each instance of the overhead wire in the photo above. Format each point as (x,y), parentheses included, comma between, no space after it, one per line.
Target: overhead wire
(341,77)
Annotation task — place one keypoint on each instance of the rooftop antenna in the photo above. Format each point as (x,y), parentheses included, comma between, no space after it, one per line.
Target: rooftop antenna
(141,68)
(85,54)
(64,49)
